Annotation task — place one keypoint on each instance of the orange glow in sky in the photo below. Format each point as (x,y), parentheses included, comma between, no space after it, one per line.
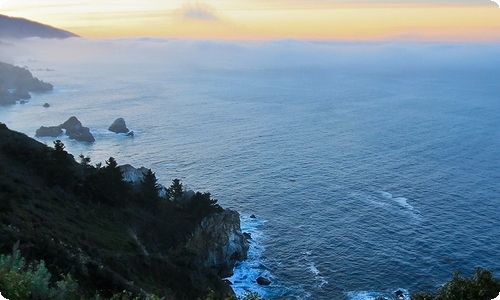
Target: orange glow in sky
(441,20)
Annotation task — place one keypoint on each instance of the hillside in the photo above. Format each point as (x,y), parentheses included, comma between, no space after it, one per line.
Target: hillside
(108,234)
(19,28)
(16,83)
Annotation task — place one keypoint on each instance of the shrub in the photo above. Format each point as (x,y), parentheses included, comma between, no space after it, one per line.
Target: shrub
(19,281)
(480,286)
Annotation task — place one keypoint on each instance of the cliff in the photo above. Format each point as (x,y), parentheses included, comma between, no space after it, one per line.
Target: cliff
(108,234)
(219,242)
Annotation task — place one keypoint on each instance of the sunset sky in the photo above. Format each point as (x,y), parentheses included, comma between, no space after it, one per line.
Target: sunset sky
(441,20)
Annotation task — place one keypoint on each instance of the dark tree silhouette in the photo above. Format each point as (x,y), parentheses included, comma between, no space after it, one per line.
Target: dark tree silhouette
(149,189)
(175,191)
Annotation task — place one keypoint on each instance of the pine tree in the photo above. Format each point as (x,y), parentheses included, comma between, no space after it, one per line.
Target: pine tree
(175,191)
(149,189)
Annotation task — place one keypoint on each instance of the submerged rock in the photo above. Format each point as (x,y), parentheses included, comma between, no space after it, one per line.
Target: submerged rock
(119,126)
(46,105)
(219,242)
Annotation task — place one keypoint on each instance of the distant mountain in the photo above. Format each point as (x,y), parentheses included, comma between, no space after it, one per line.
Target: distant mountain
(19,28)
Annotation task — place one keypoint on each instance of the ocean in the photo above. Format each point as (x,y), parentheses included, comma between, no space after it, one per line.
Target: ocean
(370,167)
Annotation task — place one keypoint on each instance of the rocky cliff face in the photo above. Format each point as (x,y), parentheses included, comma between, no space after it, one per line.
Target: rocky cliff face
(219,242)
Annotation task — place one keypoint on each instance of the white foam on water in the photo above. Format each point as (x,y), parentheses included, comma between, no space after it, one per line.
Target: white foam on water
(244,279)
(311,266)
(374,295)
(247,272)
(387,201)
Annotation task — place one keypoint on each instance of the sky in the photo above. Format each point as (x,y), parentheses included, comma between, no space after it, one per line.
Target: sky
(406,20)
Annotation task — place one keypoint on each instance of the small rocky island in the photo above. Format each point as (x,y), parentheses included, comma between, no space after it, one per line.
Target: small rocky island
(73,129)
(119,126)
(16,83)
(110,228)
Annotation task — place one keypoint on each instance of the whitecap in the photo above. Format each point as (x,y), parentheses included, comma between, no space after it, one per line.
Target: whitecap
(387,201)
(374,295)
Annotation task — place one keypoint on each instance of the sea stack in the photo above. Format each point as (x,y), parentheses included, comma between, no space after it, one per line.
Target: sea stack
(119,126)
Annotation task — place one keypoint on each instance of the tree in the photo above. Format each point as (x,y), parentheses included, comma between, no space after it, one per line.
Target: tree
(59,146)
(175,191)
(149,189)
(59,170)
(201,205)
(106,183)
(481,286)
(84,161)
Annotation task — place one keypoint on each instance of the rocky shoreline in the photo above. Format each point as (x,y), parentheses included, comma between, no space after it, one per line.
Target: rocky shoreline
(189,244)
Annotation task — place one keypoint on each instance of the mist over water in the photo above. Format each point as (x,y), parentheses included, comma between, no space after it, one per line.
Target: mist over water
(371,167)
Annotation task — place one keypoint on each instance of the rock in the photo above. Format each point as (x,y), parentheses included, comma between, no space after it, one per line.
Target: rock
(131,174)
(76,131)
(52,131)
(72,124)
(21,93)
(253,216)
(247,235)
(119,126)
(23,102)
(219,243)
(400,294)
(82,135)
(130,133)
(263,281)
(6,97)
(46,105)
(135,176)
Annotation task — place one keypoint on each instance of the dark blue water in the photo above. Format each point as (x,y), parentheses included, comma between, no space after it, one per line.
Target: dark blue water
(364,179)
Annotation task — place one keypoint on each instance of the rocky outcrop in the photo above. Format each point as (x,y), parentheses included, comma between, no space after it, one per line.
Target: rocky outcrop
(51,131)
(119,126)
(219,242)
(74,130)
(21,93)
(6,97)
(135,176)
(263,281)
(21,81)
(131,174)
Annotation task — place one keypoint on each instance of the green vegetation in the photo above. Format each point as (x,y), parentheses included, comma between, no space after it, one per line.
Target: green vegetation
(481,286)
(19,281)
(75,222)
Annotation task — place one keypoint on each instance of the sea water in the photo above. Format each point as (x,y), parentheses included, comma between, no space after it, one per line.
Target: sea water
(364,179)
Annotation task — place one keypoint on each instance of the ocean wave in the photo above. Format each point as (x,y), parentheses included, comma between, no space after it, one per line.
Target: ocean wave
(388,202)
(397,294)
(319,279)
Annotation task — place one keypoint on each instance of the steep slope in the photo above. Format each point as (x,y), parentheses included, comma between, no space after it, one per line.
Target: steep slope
(19,28)
(108,234)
